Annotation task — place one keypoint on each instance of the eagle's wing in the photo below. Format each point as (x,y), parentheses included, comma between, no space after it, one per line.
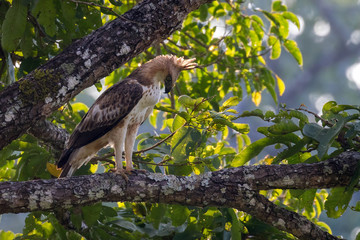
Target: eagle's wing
(107,111)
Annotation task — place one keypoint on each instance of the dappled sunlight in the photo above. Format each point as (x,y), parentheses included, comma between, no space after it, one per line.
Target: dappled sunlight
(353,75)
(320,100)
(321,28)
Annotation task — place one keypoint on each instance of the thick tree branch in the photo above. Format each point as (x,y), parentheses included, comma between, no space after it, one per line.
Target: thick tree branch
(87,60)
(234,187)
(49,135)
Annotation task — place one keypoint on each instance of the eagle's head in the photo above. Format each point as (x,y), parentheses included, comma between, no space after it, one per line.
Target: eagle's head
(166,69)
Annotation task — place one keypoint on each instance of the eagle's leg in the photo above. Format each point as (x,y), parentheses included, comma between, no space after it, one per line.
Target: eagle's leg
(129,146)
(118,148)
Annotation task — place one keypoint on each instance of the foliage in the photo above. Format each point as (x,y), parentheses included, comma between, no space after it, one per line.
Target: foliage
(208,132)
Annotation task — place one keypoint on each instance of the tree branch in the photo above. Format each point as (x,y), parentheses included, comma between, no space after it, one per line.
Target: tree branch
(87,60)
(50,135)
(234,187)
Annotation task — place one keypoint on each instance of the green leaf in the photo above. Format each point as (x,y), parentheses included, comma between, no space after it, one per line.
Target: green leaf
(45,12)
(157,213)
(232,101)
(325,136)
(116,2)
(251,151)
(269,83)
(337,202)
(283,28)
(294,50)
(13,26)
(98,86)
(27,41)
(253,113)
(257,19)
(283,127)
(307,200)
(91,214)
(291,150)
(275,45)
(179,214)
(292,17)
(356,207)
(277,6)
(184,142)
(186,101)
(240,127)
(236,225)
(76,220)
(7,235)
(203,12)
(271,17)
(109,211)
(178,122)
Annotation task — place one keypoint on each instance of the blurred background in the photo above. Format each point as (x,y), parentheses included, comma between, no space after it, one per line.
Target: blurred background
(329,39)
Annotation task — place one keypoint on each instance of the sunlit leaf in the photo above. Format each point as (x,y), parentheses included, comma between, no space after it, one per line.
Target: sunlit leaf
(232,101)
(292,17)
(337,202)
(277,6)
(251,151)
(275,45)
(256,98)
(178,122)
(293,48)
(52,169)
(280,84)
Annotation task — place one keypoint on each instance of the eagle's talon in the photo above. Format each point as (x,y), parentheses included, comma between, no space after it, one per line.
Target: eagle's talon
(141,170)
(122,172)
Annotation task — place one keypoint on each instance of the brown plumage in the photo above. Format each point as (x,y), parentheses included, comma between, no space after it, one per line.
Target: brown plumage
(116,115)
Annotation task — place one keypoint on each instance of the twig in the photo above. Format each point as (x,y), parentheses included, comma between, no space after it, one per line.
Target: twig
(106,8)
(196,40)
(158,143)
(315,115)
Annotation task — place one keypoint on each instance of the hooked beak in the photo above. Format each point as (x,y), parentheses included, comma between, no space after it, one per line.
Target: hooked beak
(168,88)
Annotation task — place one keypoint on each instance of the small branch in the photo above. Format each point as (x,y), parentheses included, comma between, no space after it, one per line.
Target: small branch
(97,5)
(50,135)
(301,108)
(156,144)
(106,8)
(196,40)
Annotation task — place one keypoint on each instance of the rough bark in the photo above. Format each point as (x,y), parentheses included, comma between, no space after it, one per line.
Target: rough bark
(235,188)
(87,60)
(50,136)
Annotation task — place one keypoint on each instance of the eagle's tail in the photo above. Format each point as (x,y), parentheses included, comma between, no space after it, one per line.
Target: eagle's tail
(67,171)
(64,163)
